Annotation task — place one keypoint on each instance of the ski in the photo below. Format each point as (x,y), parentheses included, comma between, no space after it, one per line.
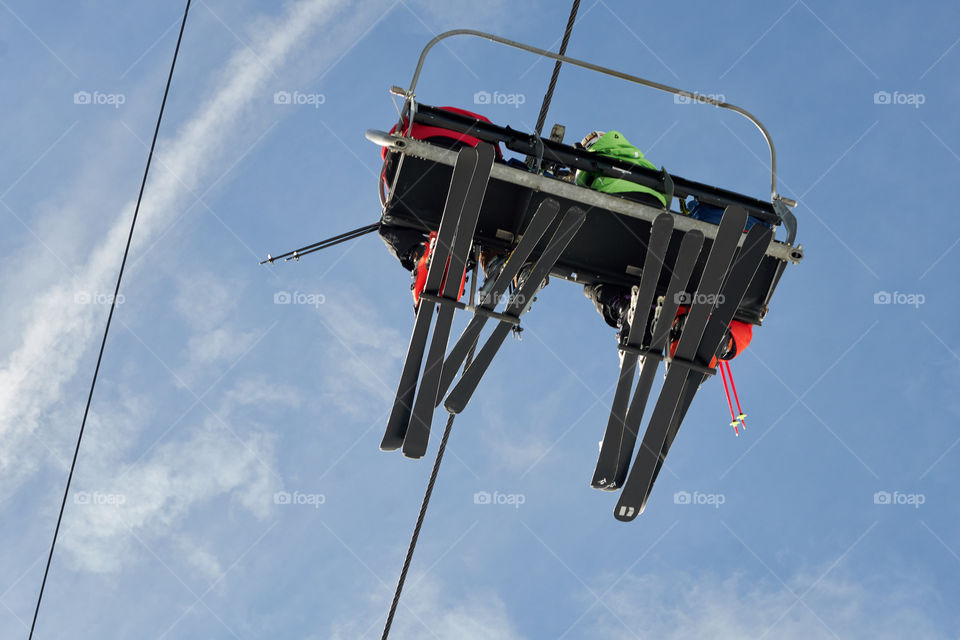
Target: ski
(682,271)
(417,435)
(640,477)
(660,234)
(569,225)
(744,268)
(463,171)
(490,295)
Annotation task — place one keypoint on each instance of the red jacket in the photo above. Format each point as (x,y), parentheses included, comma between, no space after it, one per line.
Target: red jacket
(741,333)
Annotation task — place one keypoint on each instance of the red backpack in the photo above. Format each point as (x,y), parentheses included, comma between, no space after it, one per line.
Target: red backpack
(428,132)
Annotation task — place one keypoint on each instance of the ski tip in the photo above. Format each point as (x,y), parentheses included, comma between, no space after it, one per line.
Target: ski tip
(391,442)
(603,483)
(611,486)
(625,513)
(415,447)
(663,220)
(600,483)
(549,205)
(414,453)
(577,215)
(453,406)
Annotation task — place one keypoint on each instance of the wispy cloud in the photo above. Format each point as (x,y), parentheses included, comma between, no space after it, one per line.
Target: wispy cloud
(431,609)
(680,606)
(48,351)
(361,350)
(111,513)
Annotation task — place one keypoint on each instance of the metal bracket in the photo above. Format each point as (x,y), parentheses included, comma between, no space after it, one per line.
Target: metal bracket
(667,187)
(502,317)
(643,352)
(789,220)
(693,366)
(557,133)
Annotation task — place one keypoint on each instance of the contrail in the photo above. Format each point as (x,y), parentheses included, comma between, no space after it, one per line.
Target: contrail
(52,345)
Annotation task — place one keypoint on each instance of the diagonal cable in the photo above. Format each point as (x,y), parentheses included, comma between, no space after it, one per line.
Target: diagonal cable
(106,330)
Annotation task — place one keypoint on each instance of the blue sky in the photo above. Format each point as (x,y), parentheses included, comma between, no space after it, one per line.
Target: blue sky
(212,399)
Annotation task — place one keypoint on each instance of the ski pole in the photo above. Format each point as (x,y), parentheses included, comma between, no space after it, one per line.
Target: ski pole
(723,374)
(296,254)
(742,415)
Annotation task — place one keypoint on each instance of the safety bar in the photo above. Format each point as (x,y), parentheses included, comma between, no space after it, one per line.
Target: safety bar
(774,196)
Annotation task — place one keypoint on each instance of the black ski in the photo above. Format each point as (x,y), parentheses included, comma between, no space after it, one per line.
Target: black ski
(569,225)
(744,268)
(639,480)
(656,250)
(463,171)
(682,271)
(490,295)
(418,430)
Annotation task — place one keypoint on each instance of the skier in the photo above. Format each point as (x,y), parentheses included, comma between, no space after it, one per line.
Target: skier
(410,246)
(612,301)
(700,210)
(735,340)
(405,244)
(739,334)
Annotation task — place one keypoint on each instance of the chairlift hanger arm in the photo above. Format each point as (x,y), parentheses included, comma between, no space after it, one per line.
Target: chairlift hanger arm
(610,72)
